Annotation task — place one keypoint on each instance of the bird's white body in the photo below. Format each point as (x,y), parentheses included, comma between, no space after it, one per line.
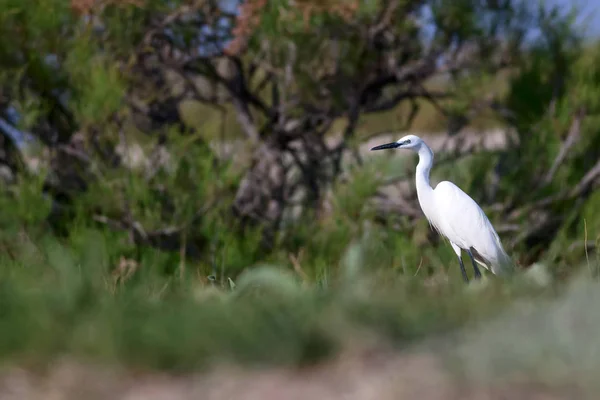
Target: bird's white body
(454,214)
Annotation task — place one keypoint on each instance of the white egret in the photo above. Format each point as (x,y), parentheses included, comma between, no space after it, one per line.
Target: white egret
(454,214)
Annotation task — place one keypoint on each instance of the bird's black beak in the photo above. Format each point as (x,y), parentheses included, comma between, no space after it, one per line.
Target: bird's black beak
(393,145)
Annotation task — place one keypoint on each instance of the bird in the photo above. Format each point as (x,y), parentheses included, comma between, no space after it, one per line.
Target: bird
(455,215)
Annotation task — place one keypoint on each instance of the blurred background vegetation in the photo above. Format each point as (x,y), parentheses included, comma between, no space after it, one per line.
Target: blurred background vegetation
(190,180)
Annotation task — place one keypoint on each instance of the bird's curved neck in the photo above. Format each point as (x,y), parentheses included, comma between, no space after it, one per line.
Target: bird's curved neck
(424,168)
(424,189)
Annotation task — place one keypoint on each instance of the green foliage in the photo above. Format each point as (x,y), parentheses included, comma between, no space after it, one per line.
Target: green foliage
(96,82)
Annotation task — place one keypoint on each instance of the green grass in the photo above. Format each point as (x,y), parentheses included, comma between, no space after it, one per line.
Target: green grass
(58,299)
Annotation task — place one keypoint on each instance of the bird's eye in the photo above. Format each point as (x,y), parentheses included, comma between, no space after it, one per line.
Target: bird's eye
(407,141)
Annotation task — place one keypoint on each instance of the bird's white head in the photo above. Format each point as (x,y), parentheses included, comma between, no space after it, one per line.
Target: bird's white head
(411,142)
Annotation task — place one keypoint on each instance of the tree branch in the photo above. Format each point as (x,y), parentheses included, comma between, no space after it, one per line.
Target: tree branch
(572,138)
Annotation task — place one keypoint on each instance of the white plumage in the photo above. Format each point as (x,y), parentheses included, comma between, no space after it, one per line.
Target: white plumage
(454,214)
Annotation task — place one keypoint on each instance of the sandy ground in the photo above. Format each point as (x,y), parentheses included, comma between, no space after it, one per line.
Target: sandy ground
(350,377)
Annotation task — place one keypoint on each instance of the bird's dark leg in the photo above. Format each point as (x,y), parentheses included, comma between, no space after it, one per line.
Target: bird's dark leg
(462,269)
(475,267)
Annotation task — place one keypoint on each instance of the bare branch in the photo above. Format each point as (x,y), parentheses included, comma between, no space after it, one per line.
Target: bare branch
(572,138)
(385,17)
(403,95)
(587,182)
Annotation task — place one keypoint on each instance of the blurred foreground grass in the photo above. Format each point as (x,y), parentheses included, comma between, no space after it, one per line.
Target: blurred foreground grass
(55,301)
